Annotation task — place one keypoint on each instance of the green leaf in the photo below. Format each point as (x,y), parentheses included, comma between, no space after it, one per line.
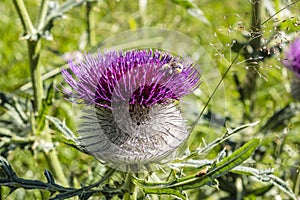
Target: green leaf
(68,133)
(238,129)
(221,168)
(251,171)
(265,176)
(50,93)
(196,181)
(167,191)
(227,135)
(15,109)
(238,157)
(219,140)
(282,185)
(58,12)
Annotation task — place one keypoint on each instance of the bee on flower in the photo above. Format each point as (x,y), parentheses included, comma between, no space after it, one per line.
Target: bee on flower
(173,67)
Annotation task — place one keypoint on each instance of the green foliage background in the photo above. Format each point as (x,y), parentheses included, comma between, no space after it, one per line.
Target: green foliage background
(28,153)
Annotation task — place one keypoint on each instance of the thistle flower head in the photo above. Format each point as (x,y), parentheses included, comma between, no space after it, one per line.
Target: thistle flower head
(132,116)
(292,57)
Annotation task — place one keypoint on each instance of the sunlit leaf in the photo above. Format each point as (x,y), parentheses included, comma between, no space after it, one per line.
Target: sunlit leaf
(207,178)
(58,11)
(227,135)
(167,191)
(68,133)
(223,167)
(265,176)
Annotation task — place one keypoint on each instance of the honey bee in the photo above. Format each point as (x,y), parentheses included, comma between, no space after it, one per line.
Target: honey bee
(173,67)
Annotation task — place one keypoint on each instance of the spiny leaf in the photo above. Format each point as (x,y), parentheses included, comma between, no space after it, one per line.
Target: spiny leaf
(58,11)
(227,135)
(238,157)
(265,176)
(168,191)
(196,181)
(237,129)
(251,171)
(224,166)
(282,185)
(64,129)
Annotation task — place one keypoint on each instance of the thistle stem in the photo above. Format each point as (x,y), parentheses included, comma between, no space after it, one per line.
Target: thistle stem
(36,78)
(297,182)
(34,47)
(24,16)
(127,186)
(131,192)
(255,44)
(53,160)
(56,168)
(42,14)
(90,23)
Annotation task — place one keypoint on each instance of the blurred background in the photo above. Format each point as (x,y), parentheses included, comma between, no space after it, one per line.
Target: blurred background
(256,88)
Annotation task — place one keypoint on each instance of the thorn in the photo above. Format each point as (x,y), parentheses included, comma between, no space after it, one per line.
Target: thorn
(11,190)
(49,177)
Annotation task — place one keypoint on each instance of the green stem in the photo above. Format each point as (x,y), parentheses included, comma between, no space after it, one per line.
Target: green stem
(212,95)
(53,160)
(36,78)
(55,167)
(90,23)
(297,182)
(34,45)
(255,44)
(131,190)
(42,15)
(127,186)
(24,16)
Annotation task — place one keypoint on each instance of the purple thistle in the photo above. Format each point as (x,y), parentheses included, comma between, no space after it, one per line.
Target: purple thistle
(138,73)
(131,116)
(292,57)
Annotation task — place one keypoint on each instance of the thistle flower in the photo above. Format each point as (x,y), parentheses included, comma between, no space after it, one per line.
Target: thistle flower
(292,58)
(292,62)
(132,115)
